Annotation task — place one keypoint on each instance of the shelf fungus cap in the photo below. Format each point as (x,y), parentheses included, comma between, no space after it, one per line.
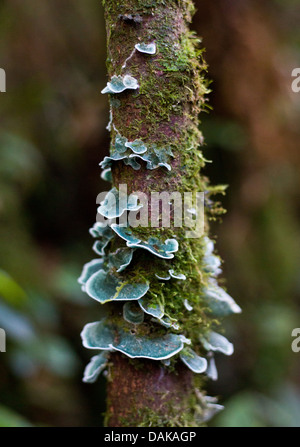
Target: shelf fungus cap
(155,157)
(220,303)
(97,335)
(105,286)
(132,313)
(137,146)
(115,204)
(106,175)
(101,230)
(209,407)
(120,259)
(217,343)
(166,322)
(177,275)
(163,278)
(211,371)
(105,336)
(149,48)
(153,309)
(171,275)
(211,264)
(108,160)
(193,361)
(89,269)
(95,367)
(163,250)
(187,305)
(126,234)
(118,84)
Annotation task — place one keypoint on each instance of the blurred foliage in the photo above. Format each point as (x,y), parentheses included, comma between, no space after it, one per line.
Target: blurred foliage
(52,138)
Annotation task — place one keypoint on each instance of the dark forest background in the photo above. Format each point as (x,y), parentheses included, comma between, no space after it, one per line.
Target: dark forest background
(52,138)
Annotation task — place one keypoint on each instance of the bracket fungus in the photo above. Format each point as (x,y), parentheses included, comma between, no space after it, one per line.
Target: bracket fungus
(106,336)
(89,269)
(217,343)
(220,303)
(149,48)
(153,309)
(187,305)
(209,407)
(132,313)
(156,157)
(137,146)
(104,235)
(130,151)
(171,275)
(107,175)
(115,204)
(211,371)
(163,250)
(105,286)
(120,259)
(166,322)
(97,364)
(118,84)
(193,361)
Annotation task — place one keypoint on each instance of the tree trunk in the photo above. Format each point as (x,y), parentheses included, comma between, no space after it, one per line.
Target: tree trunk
(163,112)
(155,280)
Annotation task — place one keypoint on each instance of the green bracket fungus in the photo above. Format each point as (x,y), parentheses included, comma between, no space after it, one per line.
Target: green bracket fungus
(107,175)
(98,336)
(166,322)
(104,235)
(193,361)
(217,343)
(137,146)
(105,286)
(163,250)
(187,305)
(114,206)
(102,335)
(219,302)
(120,259)
(120,83)
(177,275)
(163,278)
(132,313)
(211,262)
(155,157)
(100,230)
(171,275)
(153,309)
(211,371)
(209,407)
(89,269)
(146,48)
(129,151)
(97,364)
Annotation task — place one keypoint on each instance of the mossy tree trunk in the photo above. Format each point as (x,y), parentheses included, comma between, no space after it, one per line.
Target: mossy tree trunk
(163,111)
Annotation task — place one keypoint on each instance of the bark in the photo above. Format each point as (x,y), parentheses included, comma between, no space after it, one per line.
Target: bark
(147,395)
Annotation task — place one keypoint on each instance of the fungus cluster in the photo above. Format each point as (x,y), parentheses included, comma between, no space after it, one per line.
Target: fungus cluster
(135,324)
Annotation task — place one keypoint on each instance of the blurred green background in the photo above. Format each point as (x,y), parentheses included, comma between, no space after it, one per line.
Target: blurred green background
(52,138)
